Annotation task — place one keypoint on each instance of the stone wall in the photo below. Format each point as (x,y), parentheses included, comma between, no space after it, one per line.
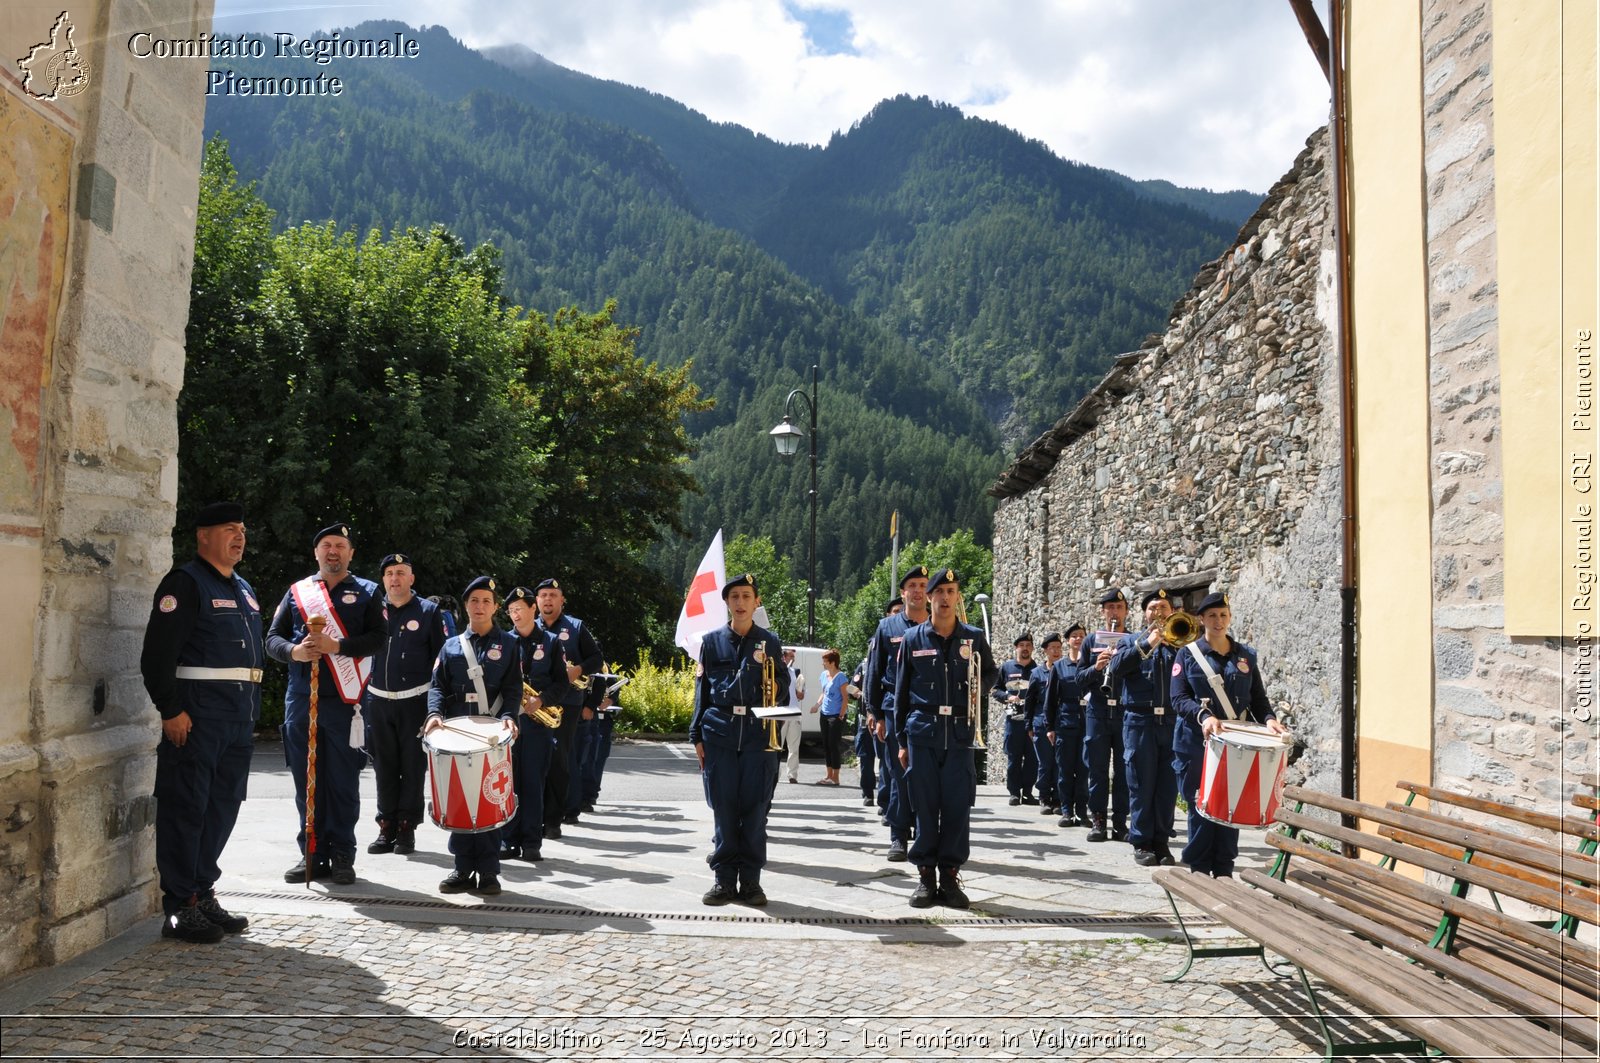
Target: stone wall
(1207,460)
(1500,726)
(105,175)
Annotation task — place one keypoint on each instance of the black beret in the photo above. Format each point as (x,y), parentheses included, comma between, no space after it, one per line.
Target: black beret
(219,513)
(521,594)
(547,585)
(393,559)
(918,572)
(1074,627)
(1158,595)
(1049,637)
(941,577)
(1215,601)
(896,600)
(482,583)
(1113,595)
(342,530)
(745,580)
(1020,639)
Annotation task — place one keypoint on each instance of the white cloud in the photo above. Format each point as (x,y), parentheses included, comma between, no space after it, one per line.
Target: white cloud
(1218,95)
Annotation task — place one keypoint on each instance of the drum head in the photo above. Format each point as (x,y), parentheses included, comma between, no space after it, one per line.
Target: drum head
(466,734)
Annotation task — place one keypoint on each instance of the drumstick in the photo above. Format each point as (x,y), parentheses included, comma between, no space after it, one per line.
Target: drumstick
(315,624)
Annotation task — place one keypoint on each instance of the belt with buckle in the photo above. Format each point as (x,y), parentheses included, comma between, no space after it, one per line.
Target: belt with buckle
(229,675)
(399,695)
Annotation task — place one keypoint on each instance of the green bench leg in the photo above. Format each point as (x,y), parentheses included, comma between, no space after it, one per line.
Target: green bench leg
(1195,952)
(1332,1049)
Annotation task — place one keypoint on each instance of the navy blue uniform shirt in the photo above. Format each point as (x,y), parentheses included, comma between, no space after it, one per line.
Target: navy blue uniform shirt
(359,605)
(730,680)
(1063,697)
(885,661)
(1013,669)
(453,692)
(933,675)
(1142,676)
(544,666)
(201,618)
(1241,678)
(579,647)
(416,635)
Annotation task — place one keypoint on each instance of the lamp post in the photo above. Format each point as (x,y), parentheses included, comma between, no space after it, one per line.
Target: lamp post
(787,439)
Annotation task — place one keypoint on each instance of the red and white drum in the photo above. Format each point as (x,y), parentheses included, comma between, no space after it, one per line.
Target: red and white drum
(1242,780)
(469,771)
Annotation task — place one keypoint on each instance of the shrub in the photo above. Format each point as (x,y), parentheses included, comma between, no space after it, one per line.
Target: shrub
(656,700)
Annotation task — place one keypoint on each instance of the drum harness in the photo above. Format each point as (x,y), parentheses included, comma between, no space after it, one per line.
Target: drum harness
(475,673)
(1213,678)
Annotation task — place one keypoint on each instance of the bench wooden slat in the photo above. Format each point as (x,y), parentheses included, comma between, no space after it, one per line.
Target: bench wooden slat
(1381,982)
(1589,801)
(1563,948)
(1590,779)
(1543,820)
(1529,852)
(1515,870)
(1518,996)
(1573,900)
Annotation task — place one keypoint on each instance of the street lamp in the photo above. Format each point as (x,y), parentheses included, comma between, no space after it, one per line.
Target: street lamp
(786,436)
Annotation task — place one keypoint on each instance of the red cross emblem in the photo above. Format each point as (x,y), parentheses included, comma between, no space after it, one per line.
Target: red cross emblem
(704,583)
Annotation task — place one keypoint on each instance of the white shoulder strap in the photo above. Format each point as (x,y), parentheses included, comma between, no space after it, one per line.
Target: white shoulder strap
(475,673)
(1214,679)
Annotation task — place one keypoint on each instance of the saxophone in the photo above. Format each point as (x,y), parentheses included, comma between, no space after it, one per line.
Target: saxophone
(549,715)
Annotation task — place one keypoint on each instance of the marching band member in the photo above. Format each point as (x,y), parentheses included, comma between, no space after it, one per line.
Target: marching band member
(1102,727)
(397,705)
(880,701)
(342,654)
(596,750)
(1142,672)
(561,798)
(935,709)
(543,669)
(201,665)
(731,743)
(479,673)
(1044,750)
(1021,768)
(1063,714)
(1215,678)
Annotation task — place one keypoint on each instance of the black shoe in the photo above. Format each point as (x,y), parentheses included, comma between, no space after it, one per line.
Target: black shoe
(950,892)
(753,895)
(883,818)
(1015,800)
(405,842)
(319,872)
(456,882)
(588,808)
(1166,856)
(1119,834)
(1049,810)
(1146,857)
(897,852)
(552,830)
(488,885)
(1067,821)
(533,856)
(1097,831)
(869,802)
(383,843)
(1029,799)
(570,819)
(717,895)
(927,891)
(217,914)
(511,852)
(190,924)
(344,871)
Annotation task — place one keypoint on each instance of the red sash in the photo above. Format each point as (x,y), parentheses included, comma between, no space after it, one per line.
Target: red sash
(349,674)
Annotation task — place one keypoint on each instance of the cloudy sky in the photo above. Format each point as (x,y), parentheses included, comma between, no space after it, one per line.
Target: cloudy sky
(1216,95)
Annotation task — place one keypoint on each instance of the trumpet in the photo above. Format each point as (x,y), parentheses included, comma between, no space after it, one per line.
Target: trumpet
(1180,629)
(549,715)
(975,694)
(769,696)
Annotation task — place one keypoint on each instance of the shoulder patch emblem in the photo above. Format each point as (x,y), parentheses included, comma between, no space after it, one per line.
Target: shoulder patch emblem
(349,598)
(1177,669)
(1244,665)
(253,603)
(966,651)
(169,602)
(494,653)
(758,654)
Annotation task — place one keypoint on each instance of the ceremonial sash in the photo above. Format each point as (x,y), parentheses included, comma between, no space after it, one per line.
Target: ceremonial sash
(349,675)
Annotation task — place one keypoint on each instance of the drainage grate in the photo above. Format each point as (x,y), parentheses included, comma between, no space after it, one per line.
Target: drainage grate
(1111,921)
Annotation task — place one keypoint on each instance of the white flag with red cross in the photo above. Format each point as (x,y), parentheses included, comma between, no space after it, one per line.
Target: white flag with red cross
(703,609)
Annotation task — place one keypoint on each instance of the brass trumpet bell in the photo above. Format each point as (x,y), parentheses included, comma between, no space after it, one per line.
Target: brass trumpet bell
(549,715)
(1180,629)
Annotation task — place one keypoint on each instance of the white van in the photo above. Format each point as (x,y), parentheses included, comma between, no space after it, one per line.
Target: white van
(809,660)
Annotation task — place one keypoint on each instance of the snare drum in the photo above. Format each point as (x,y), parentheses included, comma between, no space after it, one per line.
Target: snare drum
(469,770)
(1242,780)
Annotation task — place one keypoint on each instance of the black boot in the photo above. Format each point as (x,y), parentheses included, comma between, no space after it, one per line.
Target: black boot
(1097,830)
(927,892)
(405,840)
(384,842)
(950,892)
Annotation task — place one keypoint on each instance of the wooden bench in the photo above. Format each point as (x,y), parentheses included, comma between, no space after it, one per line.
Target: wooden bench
(1457,975)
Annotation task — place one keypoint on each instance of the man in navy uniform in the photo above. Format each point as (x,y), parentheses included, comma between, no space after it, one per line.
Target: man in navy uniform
(479,673)
(1102,727)
(397,704)
(562,797)
(545,670)
(1010,696)
(597,750)
(880,701)
(1141,671)
(1063,721)
(934,719)
(1044,752)
(202,668)
(355,631)
(730,742)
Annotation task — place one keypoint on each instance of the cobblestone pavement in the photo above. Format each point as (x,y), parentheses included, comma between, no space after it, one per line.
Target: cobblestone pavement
(602,952)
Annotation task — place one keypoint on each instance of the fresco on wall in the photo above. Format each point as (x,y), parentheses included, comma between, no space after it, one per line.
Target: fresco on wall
(35,179)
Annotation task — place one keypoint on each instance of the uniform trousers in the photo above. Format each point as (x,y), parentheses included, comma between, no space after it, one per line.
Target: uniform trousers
(398,761)
(1212,848)
(739,783)
(898,808)
(1044,755)
(558,780)
(942,781)
(1021,768)
(338,777)
(1102,757)
(596,753)
(478,853)
(1152,786)
(582,748)
(530,763)
(199,787)
(867,759)
(1072,785)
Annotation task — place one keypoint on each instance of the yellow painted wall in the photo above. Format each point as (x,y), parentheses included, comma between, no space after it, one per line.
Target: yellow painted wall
(1544,100)
(1390,302)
